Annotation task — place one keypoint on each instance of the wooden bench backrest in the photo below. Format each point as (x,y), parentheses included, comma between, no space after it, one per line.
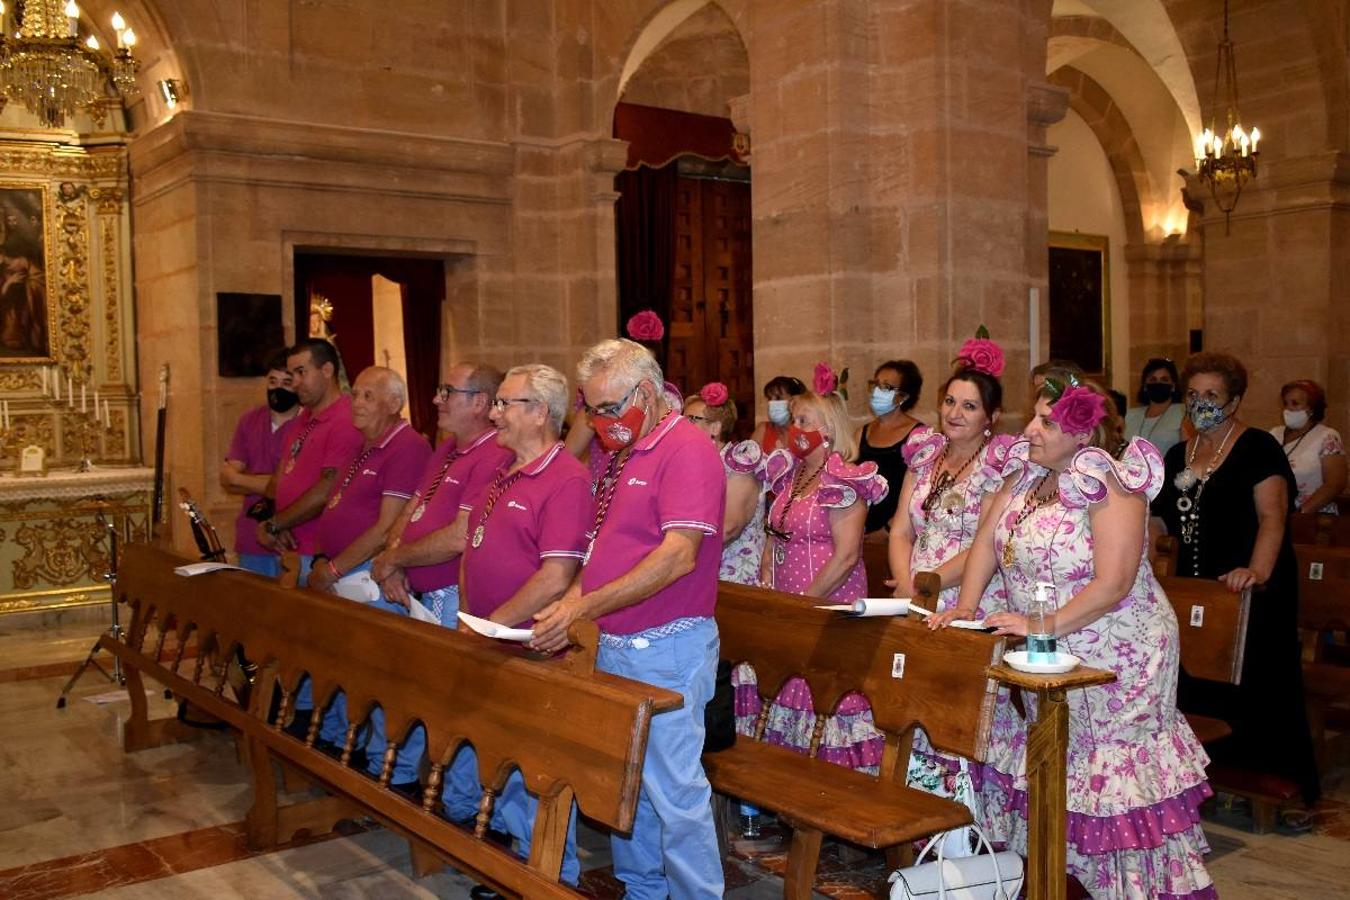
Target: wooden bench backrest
(1317,529)
(1165,556)
(1211,625)
(877,562)
(1323,587)
(585,731)
(943,687)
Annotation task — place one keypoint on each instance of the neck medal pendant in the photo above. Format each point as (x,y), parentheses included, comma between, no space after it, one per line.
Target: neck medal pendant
(419,512)
(477,536)
(1008,553)
(337,498)
(779,552)
(290,465)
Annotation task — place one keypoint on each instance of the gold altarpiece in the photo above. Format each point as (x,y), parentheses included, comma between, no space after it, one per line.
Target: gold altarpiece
(53,545)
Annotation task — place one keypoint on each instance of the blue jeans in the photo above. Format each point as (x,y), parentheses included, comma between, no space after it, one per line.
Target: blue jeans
(449,600)
(265,564)
(304,694)
(673,848)
(513,812)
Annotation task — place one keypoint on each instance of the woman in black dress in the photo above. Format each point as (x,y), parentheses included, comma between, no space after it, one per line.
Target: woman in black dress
(894,389)
(1226,498)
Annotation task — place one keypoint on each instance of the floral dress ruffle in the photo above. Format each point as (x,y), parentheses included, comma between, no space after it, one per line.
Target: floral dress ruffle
(849,737)
(1136,773)
(741,558)
(949,528)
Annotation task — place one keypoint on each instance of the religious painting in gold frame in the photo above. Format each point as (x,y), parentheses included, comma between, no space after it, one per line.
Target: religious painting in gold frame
(1080,301)
(27,298)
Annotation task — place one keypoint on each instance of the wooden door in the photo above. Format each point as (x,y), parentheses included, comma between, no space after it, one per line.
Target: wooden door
(712,318)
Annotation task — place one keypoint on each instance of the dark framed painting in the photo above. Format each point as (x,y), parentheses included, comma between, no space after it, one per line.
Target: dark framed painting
(26,312)
(248,330)
(1080,301)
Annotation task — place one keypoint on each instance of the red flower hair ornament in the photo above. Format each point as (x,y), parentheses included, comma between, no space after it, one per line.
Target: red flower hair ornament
(714,393)
(646,326)
(1078,410)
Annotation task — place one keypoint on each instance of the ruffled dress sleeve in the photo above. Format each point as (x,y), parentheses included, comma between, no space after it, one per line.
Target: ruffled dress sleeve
(922,450)
(989,470)
(744,458)
(844,484)
(1138,471)
(775,471)
(1017,464)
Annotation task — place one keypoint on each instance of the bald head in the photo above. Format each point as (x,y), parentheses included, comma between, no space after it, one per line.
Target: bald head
(378,395)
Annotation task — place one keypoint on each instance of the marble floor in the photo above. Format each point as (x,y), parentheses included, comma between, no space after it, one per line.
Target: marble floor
(80,817)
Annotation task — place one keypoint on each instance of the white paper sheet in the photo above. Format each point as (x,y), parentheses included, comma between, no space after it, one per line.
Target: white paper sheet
(493,630)
(201,568)
(358,586)
(872,606)
(421,613)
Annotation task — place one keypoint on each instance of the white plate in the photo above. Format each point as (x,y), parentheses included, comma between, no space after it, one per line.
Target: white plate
(1064,662)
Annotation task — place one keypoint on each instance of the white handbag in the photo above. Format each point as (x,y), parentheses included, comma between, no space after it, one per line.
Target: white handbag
(985,876)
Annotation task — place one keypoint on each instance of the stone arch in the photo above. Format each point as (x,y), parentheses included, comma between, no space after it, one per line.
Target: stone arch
(1094,105)
(645,35)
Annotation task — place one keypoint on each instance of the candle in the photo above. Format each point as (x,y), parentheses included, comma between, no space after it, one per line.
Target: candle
(107,414)
(44,380)
(84,400)
(70,390)
(72,18)
(95,403)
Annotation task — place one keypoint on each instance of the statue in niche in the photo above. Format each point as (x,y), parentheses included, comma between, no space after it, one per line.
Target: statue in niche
(321,326)
(23,282)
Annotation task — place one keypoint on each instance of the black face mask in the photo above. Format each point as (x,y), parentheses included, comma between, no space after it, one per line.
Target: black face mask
(1158,391)
(281,400)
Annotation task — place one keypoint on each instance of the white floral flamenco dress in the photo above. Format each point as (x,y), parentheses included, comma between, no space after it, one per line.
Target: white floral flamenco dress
(740,558)
(1136,773)
(944,516)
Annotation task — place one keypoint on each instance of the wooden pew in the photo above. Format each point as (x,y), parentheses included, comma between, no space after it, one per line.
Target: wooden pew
(876,560)
(943,681)
(574,733)
(1323,611)
(1319,529)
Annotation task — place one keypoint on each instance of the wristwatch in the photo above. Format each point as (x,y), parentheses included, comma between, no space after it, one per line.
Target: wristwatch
(272,528)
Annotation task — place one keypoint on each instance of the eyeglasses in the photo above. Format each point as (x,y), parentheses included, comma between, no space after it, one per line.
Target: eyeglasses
(873,383)
(500,403)
(696,419)
(444,391)
(609,409)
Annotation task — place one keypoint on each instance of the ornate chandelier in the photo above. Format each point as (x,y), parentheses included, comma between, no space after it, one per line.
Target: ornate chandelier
(53,72)
(1226,159)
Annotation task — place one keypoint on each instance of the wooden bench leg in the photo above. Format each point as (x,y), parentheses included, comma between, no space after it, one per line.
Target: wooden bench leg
(260,825)
(803,857)
(1046,828)
(725,812)
(550,832)
(1263,815)
(141,732)
(424,861)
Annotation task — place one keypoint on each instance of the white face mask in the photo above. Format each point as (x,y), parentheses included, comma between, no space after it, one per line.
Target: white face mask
(1294,419)
(778,412)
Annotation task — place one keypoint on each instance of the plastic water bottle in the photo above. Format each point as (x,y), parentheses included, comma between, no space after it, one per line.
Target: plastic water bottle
(1041,626)
(750,819)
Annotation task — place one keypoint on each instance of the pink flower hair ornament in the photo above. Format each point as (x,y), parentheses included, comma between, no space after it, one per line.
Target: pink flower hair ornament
(824,382)
(981,355)
(646,326)
(1078,410)
(714,393)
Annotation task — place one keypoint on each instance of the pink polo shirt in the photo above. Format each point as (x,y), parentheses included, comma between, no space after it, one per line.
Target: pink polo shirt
(306,450)
(469,473)
(258,447)
(389,467)
(545,512)
(673,479)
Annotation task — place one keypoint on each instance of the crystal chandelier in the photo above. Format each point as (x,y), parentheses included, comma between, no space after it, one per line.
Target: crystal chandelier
(1226,159)
(52,71)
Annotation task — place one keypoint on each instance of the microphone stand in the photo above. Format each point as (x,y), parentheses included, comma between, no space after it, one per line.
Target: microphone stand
(115,630)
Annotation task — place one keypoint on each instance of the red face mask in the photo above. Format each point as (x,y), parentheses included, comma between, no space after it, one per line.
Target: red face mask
(617,432)
(802,443)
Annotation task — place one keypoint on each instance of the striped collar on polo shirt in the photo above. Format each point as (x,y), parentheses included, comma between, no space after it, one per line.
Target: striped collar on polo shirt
(661,430)
(534,467)
(393,433)
(487,435)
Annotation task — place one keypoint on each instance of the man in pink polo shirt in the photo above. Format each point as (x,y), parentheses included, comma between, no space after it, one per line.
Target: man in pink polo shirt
(527,534)
(650,581)
(367,496)
(315,444)
(422,555)
(251,463)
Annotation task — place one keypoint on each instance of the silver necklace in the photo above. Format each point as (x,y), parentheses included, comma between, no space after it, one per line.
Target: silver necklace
(1188,507)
